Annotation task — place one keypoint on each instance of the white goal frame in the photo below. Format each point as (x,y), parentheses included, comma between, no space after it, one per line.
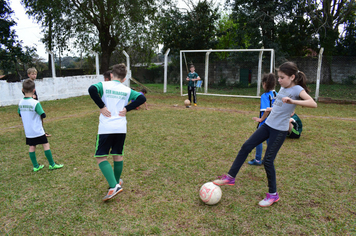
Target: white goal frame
(206,78)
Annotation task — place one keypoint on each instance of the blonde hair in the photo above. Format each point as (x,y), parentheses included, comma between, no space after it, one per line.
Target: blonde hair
(31,70)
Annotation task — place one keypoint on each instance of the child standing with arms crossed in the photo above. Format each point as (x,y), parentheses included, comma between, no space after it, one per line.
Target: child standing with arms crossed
(293,92)
(192,78)
(267,99)
(112,98)
(32,114)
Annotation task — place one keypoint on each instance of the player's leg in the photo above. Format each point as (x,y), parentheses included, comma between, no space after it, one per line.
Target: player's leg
(32,153)
(118,152)
(275,142)
(195,95)
(190,94)
(258,156)
(103,145)
(48,154)
(118,167)
(260,135)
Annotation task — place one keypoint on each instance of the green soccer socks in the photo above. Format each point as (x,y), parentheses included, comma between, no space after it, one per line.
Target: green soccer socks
(48,154)
(33,159)
(108,173)
(118,166)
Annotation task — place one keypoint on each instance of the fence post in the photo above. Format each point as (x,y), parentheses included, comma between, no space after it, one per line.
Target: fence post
(165,70)
(206,72)
(259,73)
(318,74)
(52,64)
(97,63)
(128,76)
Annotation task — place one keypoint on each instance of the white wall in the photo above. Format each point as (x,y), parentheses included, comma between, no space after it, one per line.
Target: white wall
(49,88)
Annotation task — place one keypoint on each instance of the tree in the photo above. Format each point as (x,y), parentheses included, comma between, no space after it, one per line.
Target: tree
(295,33)
(326,17)
(57,28)
(103,26)
(194,29)
(11,51)
(347,42)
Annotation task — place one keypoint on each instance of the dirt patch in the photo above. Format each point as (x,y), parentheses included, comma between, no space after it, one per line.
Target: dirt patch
(335,101)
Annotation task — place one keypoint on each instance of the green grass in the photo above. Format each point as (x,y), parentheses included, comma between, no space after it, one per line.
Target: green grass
(334,91)
(170,152)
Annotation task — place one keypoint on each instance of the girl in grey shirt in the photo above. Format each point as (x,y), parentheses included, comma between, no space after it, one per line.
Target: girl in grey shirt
(293,92)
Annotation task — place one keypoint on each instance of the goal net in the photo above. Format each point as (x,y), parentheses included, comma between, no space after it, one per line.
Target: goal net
(227,72)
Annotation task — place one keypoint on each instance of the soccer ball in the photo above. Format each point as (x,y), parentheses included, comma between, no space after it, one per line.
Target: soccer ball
(210,193)
(186,102)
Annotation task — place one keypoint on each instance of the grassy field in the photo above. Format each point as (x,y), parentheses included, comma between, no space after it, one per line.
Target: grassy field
(170,152)
(342,93)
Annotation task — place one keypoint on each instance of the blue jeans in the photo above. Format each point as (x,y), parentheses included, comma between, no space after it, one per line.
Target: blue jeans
(259,149)
(276,139)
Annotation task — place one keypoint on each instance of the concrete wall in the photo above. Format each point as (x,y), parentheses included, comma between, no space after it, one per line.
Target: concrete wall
(226,72)
(49,88)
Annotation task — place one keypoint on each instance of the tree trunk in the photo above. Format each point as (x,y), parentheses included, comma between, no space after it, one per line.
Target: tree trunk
(105,59)
(326,70)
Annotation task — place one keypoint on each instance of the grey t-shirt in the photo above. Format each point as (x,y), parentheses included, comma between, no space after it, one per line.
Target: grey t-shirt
(281,112)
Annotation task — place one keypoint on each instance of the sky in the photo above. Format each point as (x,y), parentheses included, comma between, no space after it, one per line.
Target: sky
(27,29)
(29,32)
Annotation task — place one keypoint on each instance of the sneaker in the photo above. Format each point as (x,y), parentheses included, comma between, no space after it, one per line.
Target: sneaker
(38,168)
(255,162)
(269,200)
(56,166)
(224,180)
(187,107)
(121,182)
(113,192)
(195,104)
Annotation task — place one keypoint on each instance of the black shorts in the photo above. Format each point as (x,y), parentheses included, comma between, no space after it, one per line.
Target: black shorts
(105,142)
(38,140)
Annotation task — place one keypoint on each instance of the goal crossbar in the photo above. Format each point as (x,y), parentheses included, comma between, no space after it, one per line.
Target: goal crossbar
(259,75)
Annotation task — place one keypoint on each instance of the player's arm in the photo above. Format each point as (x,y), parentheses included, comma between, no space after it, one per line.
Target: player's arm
(139,100)
(94,94)
(264,116)
(306,101)
(39,110)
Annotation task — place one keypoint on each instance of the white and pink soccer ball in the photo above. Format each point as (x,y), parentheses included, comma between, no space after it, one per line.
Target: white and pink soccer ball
(210,193)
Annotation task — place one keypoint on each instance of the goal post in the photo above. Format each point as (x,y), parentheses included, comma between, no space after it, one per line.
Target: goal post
(206,76)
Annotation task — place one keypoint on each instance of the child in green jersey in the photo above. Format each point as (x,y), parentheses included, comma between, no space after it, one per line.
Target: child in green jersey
(112,99)
(32,114)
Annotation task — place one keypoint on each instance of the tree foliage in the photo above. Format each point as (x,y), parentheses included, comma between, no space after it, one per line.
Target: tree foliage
(12,54)
(193,29)
(326,16)
(101,26)
(347,43)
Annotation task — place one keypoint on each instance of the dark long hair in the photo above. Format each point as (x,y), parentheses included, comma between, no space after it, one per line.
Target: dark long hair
(270,81)
(290,68)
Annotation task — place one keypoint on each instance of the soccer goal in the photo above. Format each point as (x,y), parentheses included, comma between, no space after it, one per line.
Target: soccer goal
(234,67)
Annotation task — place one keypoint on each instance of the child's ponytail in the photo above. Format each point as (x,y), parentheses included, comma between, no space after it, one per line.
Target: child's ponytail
(301,79)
